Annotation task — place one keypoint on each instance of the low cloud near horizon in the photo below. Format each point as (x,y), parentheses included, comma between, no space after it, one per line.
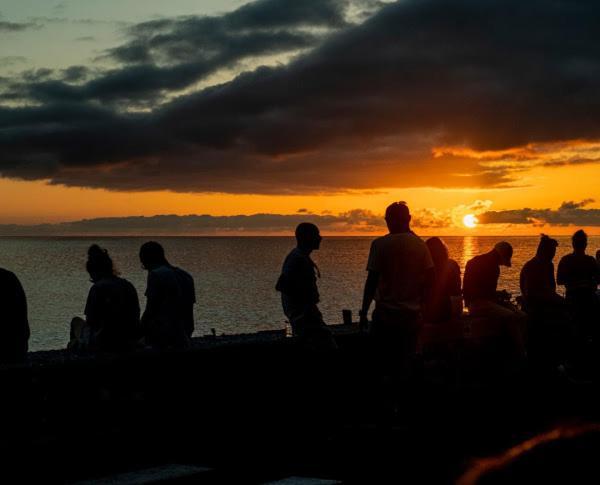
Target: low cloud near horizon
(357,221)
(403,94)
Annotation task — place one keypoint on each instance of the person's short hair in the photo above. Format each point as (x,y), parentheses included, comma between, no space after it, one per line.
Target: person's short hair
(306,231)
(152,252)
(505,250)
(579,239)
(397,213)
(546,245)
(99,263)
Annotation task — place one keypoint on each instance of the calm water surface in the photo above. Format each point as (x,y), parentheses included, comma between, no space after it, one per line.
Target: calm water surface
(235,276)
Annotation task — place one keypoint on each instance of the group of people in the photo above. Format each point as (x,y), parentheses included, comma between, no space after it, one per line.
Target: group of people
(112,320)
(414,281)
(411,281)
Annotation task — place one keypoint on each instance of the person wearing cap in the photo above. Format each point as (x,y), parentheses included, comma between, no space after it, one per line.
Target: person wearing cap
(299,292)
(400,277)
(480,287)
(580,274)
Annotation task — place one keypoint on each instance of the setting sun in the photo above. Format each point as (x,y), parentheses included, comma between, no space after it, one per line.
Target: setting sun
(470,221)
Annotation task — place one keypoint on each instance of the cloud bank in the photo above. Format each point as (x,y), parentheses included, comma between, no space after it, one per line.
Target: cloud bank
(569,213)
(354,105)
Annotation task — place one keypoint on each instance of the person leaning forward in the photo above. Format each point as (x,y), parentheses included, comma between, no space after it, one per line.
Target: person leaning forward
(482,298)
(168,320)
(400,276)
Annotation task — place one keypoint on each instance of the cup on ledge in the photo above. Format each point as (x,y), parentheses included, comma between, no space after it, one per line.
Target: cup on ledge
(347,317)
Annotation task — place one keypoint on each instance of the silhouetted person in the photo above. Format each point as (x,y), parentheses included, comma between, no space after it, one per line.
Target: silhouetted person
(446,297)
(550,327)
(14,326)
(299,292)
(168,320)
(112,310)
(537,282)
(480,291)
(400,276)
(580,274)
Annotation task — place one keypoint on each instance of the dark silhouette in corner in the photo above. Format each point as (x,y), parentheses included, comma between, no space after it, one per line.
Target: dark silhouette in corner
(299,292)
(168,320)
(482,298)
(446,297)
(14,328)
(562,455)
(400,277)
(112,310)
(580,274)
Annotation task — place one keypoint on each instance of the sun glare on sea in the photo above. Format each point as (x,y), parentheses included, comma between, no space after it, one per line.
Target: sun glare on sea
(470,221)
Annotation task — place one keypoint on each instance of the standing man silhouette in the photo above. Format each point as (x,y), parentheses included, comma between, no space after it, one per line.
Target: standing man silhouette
(400,278)
(299,291)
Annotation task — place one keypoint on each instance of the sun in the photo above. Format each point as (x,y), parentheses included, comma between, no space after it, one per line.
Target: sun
(470,221)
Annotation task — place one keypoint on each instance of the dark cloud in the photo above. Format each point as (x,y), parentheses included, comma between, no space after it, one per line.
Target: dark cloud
(6,26)
(362,108)
(356,220)
(6,61)
(568,214)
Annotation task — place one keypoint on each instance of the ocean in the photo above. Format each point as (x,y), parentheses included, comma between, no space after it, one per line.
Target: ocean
(235,276)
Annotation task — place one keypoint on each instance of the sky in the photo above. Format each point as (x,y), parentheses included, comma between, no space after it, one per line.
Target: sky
(322,110)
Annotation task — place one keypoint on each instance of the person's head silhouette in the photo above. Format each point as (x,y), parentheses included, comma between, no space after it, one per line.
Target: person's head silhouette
(438,251)
(308,236)
(99,264)
(397,217)
(579,241)
(505,252)
(547,248)
(152,255)
(598,256)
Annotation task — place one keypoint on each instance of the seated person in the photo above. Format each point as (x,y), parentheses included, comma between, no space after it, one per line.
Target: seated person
(446,298)
(168,320)
(112,311)
(482,298)
(580,274)
(538,286)
(299,291)
(14,329)
(550,326)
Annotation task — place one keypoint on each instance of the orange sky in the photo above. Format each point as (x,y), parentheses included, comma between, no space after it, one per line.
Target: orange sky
(542,187)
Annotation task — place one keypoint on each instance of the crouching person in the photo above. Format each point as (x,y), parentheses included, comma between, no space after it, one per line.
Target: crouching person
(299,293)
(112,310)
(484,301)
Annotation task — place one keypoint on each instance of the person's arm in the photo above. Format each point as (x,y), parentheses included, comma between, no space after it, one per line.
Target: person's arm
(456,302)
(561,273)
(21,311)
(152,295)
(373,275)
(368,295)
